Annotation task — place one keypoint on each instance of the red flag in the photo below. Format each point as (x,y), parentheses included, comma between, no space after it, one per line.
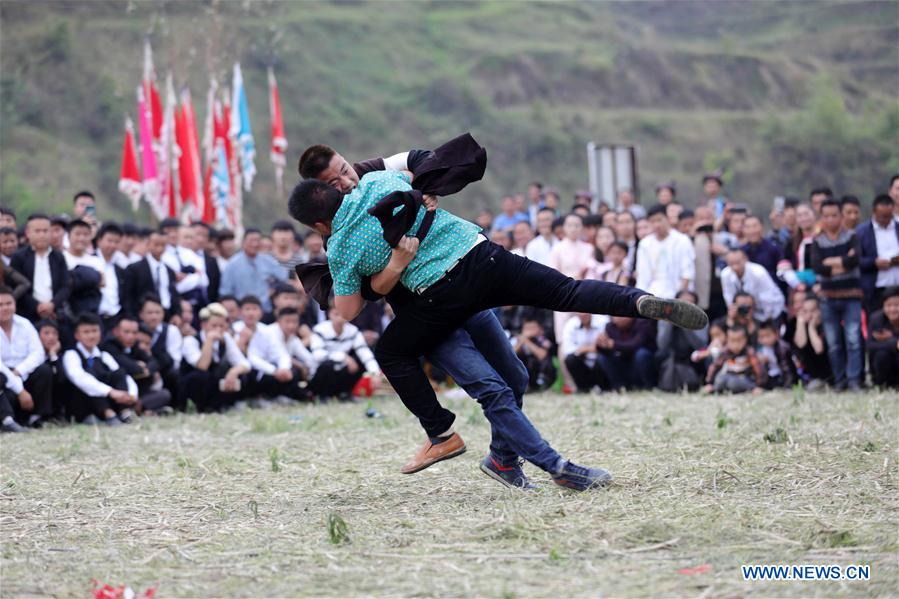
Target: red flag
(279,141)
(151,93)
(129,177)
(189,165)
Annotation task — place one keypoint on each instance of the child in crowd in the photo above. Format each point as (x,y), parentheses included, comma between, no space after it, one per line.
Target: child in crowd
(737,369)
(775,357)
(710,353)
(535,351)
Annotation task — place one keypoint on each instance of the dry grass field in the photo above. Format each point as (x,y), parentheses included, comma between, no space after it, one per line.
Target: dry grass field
(309,502)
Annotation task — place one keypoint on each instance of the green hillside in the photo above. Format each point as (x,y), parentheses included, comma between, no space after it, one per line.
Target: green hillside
(782,95)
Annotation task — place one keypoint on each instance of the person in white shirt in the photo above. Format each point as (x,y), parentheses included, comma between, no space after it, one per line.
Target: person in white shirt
(214,365)
(340,353)
(98,388)
(579,349)
(521,236)
(28,379)
(666,260)
(539,248)
(280,359)
(189,268)
(108,238)
(85,270)
(749,277)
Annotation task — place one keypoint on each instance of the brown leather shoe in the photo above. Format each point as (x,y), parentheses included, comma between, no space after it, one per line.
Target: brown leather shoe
(429,454)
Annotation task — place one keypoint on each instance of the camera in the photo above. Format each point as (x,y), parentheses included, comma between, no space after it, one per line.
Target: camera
(743,310)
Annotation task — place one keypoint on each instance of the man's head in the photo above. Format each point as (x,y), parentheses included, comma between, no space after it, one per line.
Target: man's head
(817,196)
(643,228)
(789,212)
(151,312)
(186,238)
(811,309)
(225,243)
(580,209)
(535,190)
(37,231)
(285,296)
(736,260)
(250,310)
(502,237)
(9,241)
(484,219)
(735,222)
(685,221)
(79,237)
(545,219)
(59,226)
(616,253)
(891,303)
(7,218)
(83,203)
(685,295)
(130,233)
(232,307)
(672,211)
(314,242)
(625,225)
(283,235)
(882,210)
(658,219)
(214,318)
(521,234)
(186,310)
(752,229)
(252,242)
(87,330)
(851,209)
(108,238)
(551,199)
(737,338)
(531,327)
(314,204)
(48,331)
(289,321)
(665,193)
(125,330)
(202,233)
(156,244)
(7,305)
(324,164)
(170,227)
(831,216)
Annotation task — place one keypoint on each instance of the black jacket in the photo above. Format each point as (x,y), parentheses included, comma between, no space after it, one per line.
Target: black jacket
(23,261)
(139,283)
(128,360)
(215,277)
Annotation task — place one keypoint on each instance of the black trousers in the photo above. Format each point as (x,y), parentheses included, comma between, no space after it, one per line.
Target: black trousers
(487,277)
(585,377)
(40,386)
(202,386)
(269,386)
(332,378)
(80,405)
(885,367)
(541,373)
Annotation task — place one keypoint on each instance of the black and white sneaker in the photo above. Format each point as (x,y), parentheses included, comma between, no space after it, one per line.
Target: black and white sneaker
(680,313)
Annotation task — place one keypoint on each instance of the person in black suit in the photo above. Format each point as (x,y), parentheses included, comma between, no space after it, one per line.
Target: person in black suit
(879,258)
(202,233)
(121,344)
(150,276)
(45,268)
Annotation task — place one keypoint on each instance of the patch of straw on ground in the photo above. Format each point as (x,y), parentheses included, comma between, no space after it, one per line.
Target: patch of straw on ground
(309,502)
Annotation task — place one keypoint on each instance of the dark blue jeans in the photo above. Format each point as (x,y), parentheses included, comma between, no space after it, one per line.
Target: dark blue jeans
(636,371)
(480,359)
(842,320)
(487,277)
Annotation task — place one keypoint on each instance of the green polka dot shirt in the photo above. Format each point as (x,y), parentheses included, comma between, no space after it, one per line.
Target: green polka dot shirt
(357,248)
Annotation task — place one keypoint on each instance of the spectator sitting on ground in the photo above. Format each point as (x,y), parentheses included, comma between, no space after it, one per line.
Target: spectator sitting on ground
(809,346)
(751,278)
(9,244)
(212,364)
(737,369)
(122,345)
(704,357)
(627,351)
(340,352)
(774,354)
(165,345)
(281,361)
(26,378)
(675,346)
(579,352)
(883,341)
(534,349)
(99,389)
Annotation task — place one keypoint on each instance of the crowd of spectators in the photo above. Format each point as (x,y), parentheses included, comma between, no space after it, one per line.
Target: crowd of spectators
(101,322)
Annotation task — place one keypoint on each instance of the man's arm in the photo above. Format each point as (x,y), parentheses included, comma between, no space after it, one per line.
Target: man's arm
(349,306)
(384,281)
